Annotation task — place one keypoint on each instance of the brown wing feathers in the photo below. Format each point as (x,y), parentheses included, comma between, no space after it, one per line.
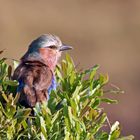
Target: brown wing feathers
(35,78)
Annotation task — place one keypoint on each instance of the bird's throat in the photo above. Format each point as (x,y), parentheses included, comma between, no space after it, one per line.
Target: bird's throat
(50,57)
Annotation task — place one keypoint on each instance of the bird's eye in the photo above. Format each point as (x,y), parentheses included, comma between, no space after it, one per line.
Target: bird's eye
(53,47)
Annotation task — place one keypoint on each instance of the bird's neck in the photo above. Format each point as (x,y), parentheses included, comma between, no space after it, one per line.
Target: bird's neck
(44,57)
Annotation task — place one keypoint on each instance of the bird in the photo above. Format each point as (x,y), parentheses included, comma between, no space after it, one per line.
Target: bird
(35,72)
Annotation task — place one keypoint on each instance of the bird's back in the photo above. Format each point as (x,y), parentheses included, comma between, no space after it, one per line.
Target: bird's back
(35,79)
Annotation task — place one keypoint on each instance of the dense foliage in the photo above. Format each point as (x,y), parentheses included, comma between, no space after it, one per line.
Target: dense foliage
(73,111)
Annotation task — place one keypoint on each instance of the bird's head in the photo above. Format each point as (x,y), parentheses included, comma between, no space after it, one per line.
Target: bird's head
(48,48)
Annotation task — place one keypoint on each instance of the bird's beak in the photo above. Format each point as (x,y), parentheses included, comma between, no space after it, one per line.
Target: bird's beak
(65,47)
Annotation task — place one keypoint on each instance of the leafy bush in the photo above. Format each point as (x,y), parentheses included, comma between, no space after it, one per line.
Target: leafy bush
(72,112)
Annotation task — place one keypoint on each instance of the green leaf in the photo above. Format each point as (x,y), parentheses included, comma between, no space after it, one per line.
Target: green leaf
(64,68)
(109,101)
(72,77)
(76,92)
(115,131)
(93,72)
(96,103)
(15,64)
(5,97)
(16,98)
(2,60)
(10,83)
(55,117)
(103,79)
(58,73)
(131,137)
(43,129)
(22,114)
(88,71)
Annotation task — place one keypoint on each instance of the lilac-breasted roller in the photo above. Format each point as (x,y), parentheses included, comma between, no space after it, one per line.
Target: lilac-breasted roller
(35,72)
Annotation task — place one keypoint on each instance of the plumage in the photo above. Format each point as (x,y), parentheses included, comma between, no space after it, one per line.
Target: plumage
(35,79)
(35,72)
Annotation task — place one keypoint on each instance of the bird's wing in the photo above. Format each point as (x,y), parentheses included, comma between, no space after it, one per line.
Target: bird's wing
(34,81)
